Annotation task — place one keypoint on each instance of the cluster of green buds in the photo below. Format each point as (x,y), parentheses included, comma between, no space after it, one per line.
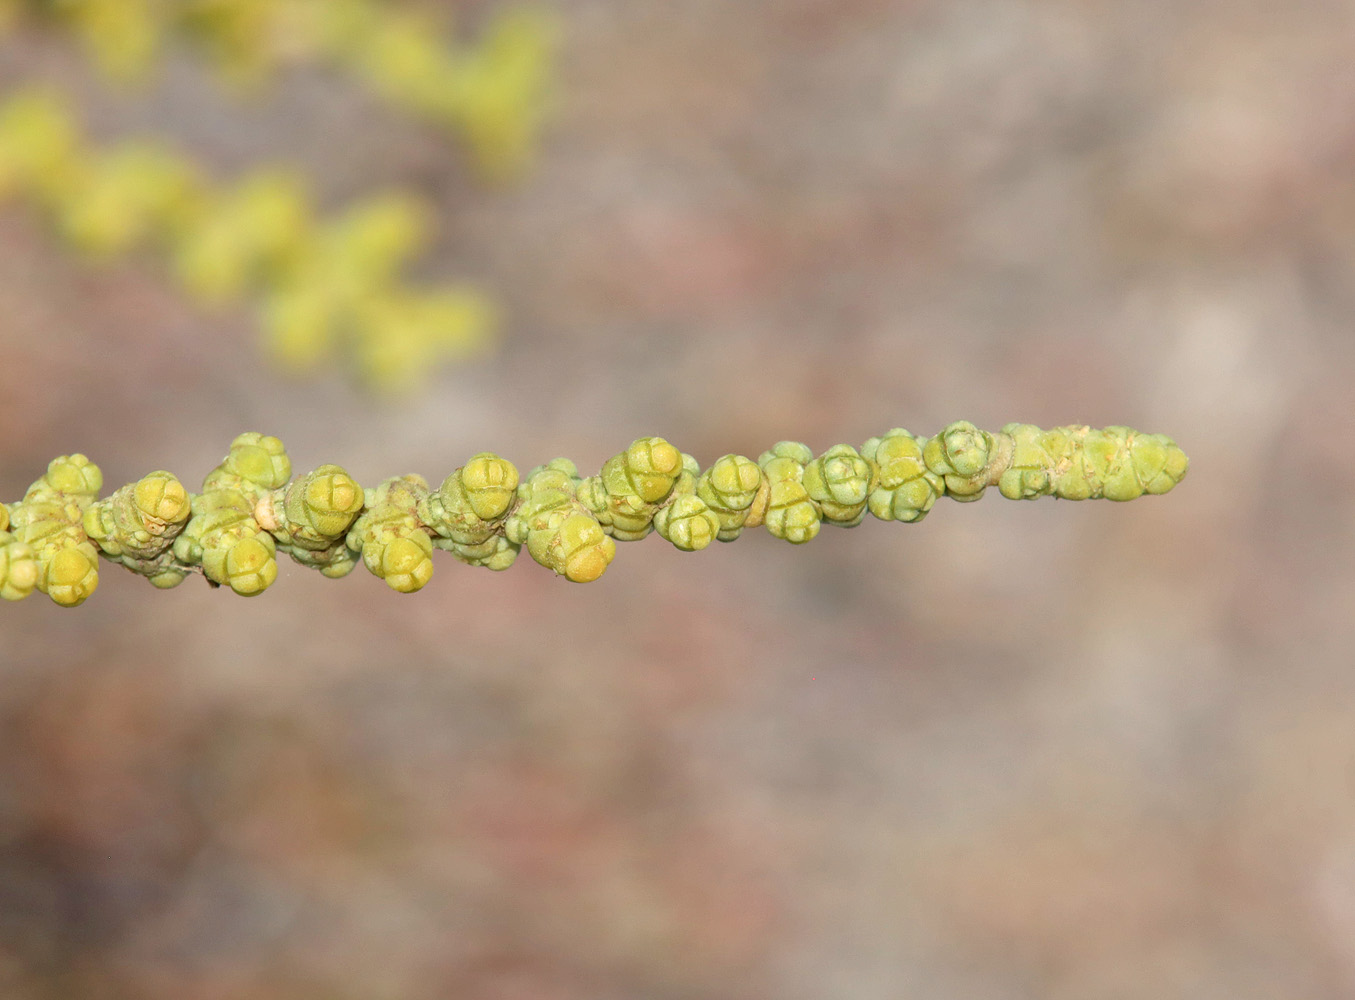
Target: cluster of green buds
(250,509)
(323,285)
(494,93)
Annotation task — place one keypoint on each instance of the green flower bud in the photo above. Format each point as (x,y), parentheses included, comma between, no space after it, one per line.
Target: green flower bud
(1158,463)
(964,447)
(49,522)
(18,568)
(140,519)
(400,553)
(572,543)
(320,507)
(167,578)
(247,565)
(138,524)
(791,514)
(796,451)
(395,545)
(593,495)
(840,481)
(223,537)
(647,470)
(785,460)
(625,495)
(472,497)
(558,473)
(730,484)
(559,531)
(541,495)
(906,489)
(71,575)
(960,454)
(687,523)
(256,462)
(73,474)
(1030,472)
(160,501)
(728,488)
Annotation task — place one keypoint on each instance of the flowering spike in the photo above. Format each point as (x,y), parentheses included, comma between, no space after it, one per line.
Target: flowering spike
(484,513)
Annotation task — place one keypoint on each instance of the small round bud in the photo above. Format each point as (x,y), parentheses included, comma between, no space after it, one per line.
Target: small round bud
(405,563)
(791,514)
(1158,463)
(652,465)
(167,579)
(329,500)
(18,568)
(74,474)
(840,481)
(250,566)
(1027,475)
(687,523)
(731,483)
(160,498)
(259,459)
(906,489)
(964,447)
(584,550)
(72,575)
(489,482)
(795,451)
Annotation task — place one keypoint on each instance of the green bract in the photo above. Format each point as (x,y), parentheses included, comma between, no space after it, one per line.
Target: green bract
(483,513)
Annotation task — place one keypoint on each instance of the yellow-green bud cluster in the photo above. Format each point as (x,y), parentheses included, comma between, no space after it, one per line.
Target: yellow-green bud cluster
(322,286)
(49,522)
(394,544)
(138,524)
(223,537)
(560,532)
(493,93)
(467,513)
(483,513)
(906,488)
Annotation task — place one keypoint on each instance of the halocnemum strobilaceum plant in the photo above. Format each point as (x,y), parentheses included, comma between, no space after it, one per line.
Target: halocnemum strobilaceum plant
(250,508)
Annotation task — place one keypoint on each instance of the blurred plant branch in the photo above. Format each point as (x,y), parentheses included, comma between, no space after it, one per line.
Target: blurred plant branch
(494,93)
(324,287)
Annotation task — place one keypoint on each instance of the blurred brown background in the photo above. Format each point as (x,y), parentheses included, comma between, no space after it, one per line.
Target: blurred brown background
(1043,750)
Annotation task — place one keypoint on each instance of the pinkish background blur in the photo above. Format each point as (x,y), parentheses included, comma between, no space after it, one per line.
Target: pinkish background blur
(1048,750)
